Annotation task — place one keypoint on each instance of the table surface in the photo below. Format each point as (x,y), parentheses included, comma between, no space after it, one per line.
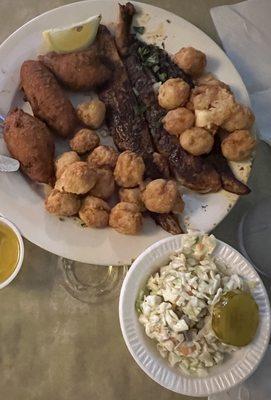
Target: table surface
(56,347)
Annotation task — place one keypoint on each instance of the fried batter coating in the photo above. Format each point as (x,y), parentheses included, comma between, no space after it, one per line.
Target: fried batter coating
(132,196)
(103,156)
(92,113)
(126,218)
(173,93)
(65,204)
(82,70)
(84,140)
(211,80)
(243,118)
(160,195)
(77,178)
(47,99)
(65,159)
(238,145)
(30,142)
(105,185)
(191,60)
(197,141)
(94,212)
(129,169)
(177,121)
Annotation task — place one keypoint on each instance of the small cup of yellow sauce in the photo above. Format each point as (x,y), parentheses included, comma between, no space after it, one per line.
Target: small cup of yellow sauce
(11,252)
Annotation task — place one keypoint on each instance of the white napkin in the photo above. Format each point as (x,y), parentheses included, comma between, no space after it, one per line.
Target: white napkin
(245,32)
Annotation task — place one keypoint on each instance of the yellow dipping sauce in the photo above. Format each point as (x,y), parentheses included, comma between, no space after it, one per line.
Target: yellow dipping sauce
(235,318)
(9,251)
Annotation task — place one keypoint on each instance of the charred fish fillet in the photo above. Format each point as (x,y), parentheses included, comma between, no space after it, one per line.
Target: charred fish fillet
(126,122)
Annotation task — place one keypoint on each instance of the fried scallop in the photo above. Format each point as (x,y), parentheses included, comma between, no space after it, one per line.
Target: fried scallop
(103,156)
(91,113)
(126,218)
(129,169)
(77,178)
(63,204)
(160,196)
(191,60)
(30,142)
(177,121)
(65,159)
(94,212)
(173,93)
(84,140)
(133,196)
(197,141)
(238,145)
(105,185)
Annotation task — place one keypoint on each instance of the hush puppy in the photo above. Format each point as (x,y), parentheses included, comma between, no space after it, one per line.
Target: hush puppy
(129,169)
(77,178)
(126,218)
(65,204)
(103,157)
(94,212)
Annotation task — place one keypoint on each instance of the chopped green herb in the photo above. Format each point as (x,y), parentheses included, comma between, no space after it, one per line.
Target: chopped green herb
(135,91)
(155,68)
(83,224)
(139,109)
(139,29)
(162,76)
(168,21)
(61,219)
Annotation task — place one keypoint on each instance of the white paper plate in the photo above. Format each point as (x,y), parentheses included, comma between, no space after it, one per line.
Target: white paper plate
(234,370)
(23,202)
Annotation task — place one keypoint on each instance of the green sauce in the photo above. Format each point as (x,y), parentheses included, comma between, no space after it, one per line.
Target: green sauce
(235,318)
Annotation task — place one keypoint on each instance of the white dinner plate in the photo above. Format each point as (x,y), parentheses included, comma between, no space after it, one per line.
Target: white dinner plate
(23,202)
(236,367)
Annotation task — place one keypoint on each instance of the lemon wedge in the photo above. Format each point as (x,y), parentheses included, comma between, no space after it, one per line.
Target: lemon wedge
(74,37)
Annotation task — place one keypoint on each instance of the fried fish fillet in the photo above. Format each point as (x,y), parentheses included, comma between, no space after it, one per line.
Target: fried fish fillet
(29,141)
(82,70)
(47,99)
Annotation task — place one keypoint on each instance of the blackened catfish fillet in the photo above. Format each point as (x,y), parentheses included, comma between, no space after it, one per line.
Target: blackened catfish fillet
(125,119)
(122,33)
(229,181)
(193,172)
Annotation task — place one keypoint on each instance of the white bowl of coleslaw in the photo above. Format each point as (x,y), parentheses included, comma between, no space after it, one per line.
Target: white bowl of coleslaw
(180,350)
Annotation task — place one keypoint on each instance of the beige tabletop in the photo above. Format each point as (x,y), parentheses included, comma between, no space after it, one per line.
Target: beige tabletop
(56,347)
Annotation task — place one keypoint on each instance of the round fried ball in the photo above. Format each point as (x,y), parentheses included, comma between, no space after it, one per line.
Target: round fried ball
(160,195)
(65,204)
(92,113)
(94,212)
(126,218)
(103,156)
(61,163)
(105,185)
(173,93)
(129,169)
(238,145)
(84,140)
(132,196)
(77,178)
(177,121)
(191,60)
(197,141)
(243,118)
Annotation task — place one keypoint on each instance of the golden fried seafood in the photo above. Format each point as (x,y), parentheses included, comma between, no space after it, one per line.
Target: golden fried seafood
(160,195)
(92,113)
(126,218)
(197,141)
(238,145)
(211,80)
(243,118)
(30,142)
(84,140)
(94,212)
(173,93)
(77,178)
(103,156)
(191,60)
(47,99)
(105,185)
(65,159)
(82,70)
(129,169)
(177,121)
(132,196)
(65,204)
